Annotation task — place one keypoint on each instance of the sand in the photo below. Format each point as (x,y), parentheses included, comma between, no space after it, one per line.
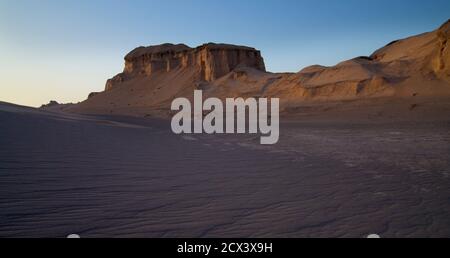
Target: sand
(112,176)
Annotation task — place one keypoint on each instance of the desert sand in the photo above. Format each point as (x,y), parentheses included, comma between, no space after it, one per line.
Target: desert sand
(112,176)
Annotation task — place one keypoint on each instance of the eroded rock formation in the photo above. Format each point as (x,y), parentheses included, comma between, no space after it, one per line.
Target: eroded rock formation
(211,60)
(442,61)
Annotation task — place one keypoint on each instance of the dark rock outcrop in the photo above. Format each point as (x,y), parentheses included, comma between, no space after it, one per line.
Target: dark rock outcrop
(52,103)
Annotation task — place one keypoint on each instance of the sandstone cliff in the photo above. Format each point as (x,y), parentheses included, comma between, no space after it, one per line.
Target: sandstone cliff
(211,60)
(442,57)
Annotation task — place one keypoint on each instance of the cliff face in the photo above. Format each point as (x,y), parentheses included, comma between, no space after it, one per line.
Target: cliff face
(212,61)
(441,62)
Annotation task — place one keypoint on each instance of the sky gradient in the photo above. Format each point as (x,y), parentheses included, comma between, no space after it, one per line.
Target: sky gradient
(62,50)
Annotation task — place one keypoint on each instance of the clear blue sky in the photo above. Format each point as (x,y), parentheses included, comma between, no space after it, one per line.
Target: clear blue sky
(65,49)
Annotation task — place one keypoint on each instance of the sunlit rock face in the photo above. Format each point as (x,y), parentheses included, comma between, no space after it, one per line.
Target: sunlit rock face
(441,61)
(211,60)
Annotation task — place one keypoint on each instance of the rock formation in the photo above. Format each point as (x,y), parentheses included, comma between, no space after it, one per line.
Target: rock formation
(51,103)
(54,106)
(442,59)
(212,60)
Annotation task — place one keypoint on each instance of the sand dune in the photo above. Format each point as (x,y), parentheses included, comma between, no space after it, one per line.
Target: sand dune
(131,177)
